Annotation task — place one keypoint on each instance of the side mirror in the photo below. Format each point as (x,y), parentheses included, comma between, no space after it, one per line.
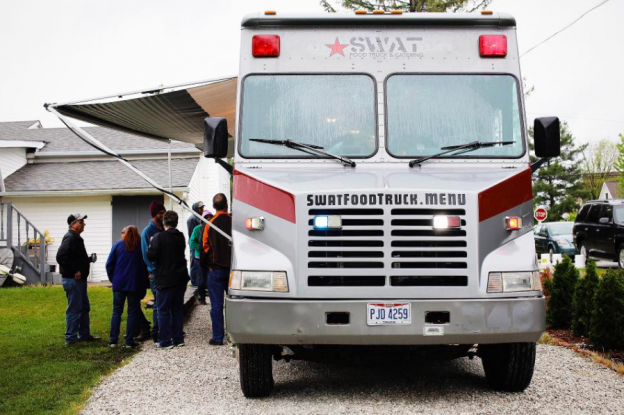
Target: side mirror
(215,137)
(604,221)
(547,137)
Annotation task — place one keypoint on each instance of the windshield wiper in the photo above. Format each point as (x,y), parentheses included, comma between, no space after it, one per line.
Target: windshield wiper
(475,145)
(308,148)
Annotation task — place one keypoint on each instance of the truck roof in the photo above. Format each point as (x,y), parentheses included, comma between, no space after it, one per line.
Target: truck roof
(257,20)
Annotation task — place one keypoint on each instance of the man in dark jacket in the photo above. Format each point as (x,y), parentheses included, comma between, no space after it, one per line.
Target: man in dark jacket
(166,250)
(75,265)
(218,254)
(155,225)
(191,223)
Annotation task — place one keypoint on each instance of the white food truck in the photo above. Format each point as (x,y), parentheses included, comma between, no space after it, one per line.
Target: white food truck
(382,191)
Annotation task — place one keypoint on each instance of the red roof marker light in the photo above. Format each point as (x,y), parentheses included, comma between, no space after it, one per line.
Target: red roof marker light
(493,46)
(265,46)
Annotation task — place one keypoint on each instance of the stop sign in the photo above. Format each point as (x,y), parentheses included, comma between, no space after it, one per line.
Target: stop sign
(541,214)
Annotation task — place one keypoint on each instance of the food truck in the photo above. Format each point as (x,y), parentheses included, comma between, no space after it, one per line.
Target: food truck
(382,191)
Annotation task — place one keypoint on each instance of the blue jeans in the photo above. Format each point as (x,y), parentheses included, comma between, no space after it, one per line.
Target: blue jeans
(154,289)
(133,320)
(78,307)
(195,270)
(202,284)
(217,288)
(171,315)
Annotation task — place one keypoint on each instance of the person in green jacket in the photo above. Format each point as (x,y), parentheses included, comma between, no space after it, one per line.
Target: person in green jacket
(195,242)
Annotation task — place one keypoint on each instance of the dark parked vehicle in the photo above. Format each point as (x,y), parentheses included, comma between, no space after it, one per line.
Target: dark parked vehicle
(554,238)
(599,230)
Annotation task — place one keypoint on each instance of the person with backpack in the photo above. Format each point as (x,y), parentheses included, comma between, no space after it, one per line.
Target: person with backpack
(195,242)
(217,259)
(128,273)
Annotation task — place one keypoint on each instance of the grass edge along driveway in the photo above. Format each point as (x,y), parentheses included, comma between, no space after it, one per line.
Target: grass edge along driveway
(39,374)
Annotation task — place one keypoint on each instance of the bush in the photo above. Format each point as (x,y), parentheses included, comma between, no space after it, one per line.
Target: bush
(583,302)
(607,322)
(561,287)
(545,275)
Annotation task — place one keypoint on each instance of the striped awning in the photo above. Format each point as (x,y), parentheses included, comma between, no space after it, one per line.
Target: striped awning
(175,113)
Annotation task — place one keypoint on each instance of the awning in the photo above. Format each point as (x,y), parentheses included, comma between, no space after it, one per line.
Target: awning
(175,113)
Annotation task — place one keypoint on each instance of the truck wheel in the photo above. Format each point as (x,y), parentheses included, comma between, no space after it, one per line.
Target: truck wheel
(508,366)
(256,370)
(620,257)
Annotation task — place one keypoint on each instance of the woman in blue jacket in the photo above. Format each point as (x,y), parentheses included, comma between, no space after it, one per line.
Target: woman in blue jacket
(127,271)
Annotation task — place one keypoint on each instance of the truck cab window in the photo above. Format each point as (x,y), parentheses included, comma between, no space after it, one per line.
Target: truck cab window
(336,112)
(427,112)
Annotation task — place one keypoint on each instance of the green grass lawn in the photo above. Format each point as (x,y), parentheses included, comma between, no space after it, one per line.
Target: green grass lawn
(39,374)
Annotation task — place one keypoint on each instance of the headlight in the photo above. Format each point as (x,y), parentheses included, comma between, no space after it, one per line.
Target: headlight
(275,281)
(563,243)
(499,282)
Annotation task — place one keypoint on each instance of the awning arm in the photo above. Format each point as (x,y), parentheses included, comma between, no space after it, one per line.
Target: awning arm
(93,142)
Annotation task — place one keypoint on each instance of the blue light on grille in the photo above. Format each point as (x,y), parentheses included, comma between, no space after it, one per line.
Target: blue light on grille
(321,222)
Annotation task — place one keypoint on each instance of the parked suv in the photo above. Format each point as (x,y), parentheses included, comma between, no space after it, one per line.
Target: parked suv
(554,238)
(599,230)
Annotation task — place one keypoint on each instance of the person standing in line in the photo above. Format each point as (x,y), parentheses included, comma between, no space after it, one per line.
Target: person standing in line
(195,242)
(154,226)
(218,258)
(75,265)
(191,223)
(128,273)
(167,250)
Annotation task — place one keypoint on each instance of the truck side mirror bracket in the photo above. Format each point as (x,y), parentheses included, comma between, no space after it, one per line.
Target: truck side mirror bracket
(547,140)
(216,141)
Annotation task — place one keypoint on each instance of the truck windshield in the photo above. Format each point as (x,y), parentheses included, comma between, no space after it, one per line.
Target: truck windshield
(336,112)
(427,112)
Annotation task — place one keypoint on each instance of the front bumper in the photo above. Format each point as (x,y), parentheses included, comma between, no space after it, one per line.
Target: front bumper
(287,322)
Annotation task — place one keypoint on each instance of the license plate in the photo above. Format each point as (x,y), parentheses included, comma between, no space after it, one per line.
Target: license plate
(388,314)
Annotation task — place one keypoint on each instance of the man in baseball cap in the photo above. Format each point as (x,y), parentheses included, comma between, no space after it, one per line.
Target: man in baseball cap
(75,265)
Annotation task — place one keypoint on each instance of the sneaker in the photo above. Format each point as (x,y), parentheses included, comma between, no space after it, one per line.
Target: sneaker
(179,344)
(89,339)
(132,346)
(158,346)
(203,303)
(112,345)
(143,337)
(215,343)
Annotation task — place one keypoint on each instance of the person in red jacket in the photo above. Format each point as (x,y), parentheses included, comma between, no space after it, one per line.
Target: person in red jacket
(218,258)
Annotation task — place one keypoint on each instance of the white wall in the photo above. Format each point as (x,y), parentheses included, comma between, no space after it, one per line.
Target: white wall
(11,159)
(51,213)
(208,180)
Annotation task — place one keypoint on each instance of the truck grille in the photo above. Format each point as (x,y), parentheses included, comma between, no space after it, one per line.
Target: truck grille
(375,240)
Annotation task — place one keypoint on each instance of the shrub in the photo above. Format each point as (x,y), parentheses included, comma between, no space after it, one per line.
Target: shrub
(607,321)
(561,287)
(583,302)
(545,275)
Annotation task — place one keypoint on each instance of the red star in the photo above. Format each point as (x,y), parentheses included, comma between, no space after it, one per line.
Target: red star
(337,47)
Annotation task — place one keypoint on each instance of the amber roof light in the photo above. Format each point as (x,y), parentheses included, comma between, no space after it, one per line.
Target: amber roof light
(270,13)
(487,12)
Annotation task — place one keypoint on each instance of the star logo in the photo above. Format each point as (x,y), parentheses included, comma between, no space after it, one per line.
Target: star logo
(337,47)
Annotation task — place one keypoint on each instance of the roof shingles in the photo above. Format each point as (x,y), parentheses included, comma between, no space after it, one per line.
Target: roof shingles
(98,175)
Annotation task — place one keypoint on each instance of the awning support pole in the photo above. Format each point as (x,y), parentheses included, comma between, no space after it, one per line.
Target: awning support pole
(170,179)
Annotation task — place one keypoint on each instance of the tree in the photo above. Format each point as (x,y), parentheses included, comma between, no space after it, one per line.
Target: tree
(409,5)
(597,163)
(619,165)
(561,287)
(558,184)
(583,301)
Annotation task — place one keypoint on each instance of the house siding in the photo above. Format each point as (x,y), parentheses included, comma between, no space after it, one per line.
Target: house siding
(51,214)
(11,159)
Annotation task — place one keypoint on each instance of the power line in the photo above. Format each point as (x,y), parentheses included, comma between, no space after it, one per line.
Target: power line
(571,24)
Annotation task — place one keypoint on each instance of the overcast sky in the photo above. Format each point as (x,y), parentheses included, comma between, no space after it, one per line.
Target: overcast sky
(67,50)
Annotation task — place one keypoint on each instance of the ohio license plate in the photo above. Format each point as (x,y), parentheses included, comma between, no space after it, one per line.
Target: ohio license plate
(388,314)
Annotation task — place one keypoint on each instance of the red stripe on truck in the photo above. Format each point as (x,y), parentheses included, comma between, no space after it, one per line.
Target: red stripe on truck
(264,196)
(505,195)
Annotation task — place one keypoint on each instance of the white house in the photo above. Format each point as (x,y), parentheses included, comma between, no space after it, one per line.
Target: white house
(609,190)
(48,173)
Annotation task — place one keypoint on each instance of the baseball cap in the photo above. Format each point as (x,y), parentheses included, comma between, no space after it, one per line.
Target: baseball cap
(200,204)
(75,217)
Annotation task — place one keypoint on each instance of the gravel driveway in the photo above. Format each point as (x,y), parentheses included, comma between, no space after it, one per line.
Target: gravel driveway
(199,379)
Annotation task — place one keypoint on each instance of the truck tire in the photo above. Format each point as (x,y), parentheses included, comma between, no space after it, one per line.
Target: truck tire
(256,370)
(509,366)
